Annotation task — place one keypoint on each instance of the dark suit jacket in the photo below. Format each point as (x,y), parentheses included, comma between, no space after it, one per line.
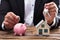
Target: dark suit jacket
(17,6)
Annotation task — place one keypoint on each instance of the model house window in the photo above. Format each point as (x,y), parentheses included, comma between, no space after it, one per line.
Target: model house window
(40,31)
(42,25)
(45,30)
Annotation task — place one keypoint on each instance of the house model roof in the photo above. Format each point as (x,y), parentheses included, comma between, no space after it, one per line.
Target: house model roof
(42,24)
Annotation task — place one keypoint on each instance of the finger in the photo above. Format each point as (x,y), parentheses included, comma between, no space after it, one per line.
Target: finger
(50,5)
(11,14)
(6,23)
(18,17)
(8,26)
(51,17)
(9,21)
(46,15)
(15,17)
(47,18)
(52,14)
(9,17)
(52,10)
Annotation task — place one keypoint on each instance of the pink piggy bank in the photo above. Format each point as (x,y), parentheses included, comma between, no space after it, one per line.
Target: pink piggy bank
(19,29)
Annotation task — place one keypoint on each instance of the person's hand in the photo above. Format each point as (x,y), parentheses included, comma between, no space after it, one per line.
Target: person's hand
(10,20)
(52,9)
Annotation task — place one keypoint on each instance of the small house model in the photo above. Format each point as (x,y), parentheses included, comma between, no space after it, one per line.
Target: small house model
(43,28)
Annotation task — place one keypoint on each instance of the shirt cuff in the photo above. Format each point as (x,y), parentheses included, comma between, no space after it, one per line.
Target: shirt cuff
(3,26)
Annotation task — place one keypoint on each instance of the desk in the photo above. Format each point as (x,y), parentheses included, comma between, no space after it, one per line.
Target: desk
(54,35)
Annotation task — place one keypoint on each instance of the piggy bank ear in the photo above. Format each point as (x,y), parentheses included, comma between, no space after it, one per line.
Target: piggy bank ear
(24,25)
(21,25)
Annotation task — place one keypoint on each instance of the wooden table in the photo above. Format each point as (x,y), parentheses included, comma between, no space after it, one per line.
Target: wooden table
(54,35)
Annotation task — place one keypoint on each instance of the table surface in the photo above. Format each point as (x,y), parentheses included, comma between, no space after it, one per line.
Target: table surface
(54,35)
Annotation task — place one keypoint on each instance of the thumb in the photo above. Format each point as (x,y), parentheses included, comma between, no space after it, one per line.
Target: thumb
(18,18)
(46,12)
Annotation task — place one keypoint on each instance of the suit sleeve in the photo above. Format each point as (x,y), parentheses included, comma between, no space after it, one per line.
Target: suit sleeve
(4,8)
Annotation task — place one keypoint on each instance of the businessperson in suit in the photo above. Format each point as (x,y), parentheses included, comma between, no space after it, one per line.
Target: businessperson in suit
(29,12)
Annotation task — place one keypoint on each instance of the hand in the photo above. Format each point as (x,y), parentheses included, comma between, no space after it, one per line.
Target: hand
(52,9)
(10,20)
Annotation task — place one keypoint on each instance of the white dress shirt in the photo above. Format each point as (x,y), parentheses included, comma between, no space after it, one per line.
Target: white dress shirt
(29,11)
